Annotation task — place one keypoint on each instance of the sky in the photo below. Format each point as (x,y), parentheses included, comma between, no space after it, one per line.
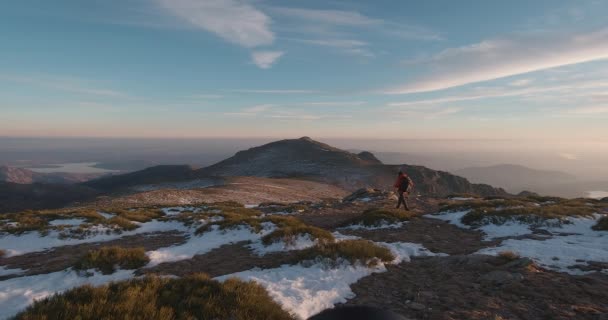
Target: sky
(528,70)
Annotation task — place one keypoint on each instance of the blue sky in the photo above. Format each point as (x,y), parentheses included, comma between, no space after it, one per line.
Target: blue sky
(237,68)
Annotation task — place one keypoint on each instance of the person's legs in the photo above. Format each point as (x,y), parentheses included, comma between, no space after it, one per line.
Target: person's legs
(401,200)
(405,205)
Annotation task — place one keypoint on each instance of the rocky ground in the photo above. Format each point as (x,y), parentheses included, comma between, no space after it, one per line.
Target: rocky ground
(457,285)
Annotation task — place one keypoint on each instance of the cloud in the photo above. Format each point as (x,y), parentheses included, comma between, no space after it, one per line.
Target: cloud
(520,82)
(508,56)
(251,111)
(333,17)
(332,103)
(206,96)
(265,59)
(350,46)
(274,91)
(232,20)
(336,29)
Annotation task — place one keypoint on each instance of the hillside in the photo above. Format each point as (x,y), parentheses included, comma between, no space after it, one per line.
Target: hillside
(16,196)
(162,174)
(306,158)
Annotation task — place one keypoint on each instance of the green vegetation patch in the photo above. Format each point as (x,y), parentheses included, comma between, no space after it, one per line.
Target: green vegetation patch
(107,259)
(378,217)
(483,204)
(288,228)
(508,256)
(601,225)
(353,251)
(154,298)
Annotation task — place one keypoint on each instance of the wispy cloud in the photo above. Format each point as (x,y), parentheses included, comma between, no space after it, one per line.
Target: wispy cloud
(572,90)
(205,96)
(508,56)
(332,103)
(251,111)
(273,91)
(333,17)
(265,59)
(232,20)
(338,29)
(350,46)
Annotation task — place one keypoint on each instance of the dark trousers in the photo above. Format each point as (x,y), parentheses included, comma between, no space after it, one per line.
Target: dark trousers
(402,199)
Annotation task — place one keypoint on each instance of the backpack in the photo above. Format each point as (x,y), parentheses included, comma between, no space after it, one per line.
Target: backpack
(406,184)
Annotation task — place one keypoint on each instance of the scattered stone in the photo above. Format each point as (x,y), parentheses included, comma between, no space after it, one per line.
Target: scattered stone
(417,306)
(500,277)
(367,195)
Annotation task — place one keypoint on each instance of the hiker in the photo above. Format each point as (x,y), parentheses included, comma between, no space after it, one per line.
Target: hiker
(404,186)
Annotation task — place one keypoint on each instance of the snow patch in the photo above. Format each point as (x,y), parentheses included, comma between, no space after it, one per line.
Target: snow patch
(201,244)
(8,272)
(383,225)
(403,251)
(570,242)
(34,242)
(302,241)
(67,222)
(308,290)
(106,215)
(18,293)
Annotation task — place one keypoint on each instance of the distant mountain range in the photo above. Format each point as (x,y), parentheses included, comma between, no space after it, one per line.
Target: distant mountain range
(301,158)
(26,176)
(516,178)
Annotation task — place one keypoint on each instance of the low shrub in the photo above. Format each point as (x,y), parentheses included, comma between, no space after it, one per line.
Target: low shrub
(508,255)
(602,224)
(122,223)
(353,251)
(106,259)
(483,204)
(231,221)
(2,253)
(139,214)
(376,217)
(288,228)
(154,298)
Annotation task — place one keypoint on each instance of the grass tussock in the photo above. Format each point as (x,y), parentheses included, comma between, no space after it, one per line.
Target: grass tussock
(139,214)
(602,224)
(483,204)
(192,297)
(508,256)
(107,259)
(232,221)
(529,215)
(288,228)
(378,217)
(353,251)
